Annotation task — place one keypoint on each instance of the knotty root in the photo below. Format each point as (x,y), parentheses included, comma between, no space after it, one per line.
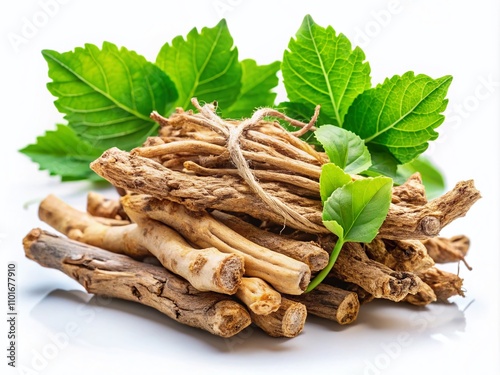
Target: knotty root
(258,296)
(228,193)
(446,250)
(287,321)
(285,274)
(403,255)
(331,303)
(445,284)
(202,178)
(114,275)
(206,269)
(100,206)
(380,281)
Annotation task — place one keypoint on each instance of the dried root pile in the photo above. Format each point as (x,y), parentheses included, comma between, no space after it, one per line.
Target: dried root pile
(231,214)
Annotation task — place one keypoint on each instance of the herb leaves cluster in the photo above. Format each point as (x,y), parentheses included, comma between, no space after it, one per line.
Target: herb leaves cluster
(107,94)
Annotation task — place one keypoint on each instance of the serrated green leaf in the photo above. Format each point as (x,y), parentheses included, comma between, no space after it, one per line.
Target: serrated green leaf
(63,153)
(108,94)
(344,148)
(257,81)
(204,65)
(331,178)
(400,114)
(320,67)
(359,207)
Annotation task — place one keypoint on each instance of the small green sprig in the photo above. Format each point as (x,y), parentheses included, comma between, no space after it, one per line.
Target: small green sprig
(353,210)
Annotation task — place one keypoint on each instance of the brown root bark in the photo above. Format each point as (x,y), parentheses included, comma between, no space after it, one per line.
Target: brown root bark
(424,295)
(331,303)
(287,321)
(285,274)
(104,273)
(258,296)
(100,206)
(228,193)
(412,192)
(403,255)
(445,284)
(310,187)
(424,221)
(307,252)
(447,250)
(354,266)
(363,295)
(197,193)
(205,269)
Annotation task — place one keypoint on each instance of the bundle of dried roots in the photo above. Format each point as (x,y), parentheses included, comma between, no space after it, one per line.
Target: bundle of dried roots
(230,211)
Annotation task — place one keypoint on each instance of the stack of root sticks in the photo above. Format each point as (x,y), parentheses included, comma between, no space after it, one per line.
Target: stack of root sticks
(218,225)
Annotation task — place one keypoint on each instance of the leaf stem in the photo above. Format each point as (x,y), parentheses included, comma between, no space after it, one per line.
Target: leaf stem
(325,271)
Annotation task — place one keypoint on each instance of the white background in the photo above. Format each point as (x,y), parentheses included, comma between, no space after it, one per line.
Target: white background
(460,38)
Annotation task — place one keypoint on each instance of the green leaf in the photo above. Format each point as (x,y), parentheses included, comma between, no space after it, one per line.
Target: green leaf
(108,94)
(383,163)
(63,153)
(331,178)
(344,148)
(359,207)
(400,114)
(335,228)
(204,65)
(320,67)
(354,212)
(432,178)
(257,81)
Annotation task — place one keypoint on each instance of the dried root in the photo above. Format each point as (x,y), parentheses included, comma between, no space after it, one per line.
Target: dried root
(307,252)
(331,303)
(447,250)
(444,284)
(287,321)
(101,207)
(233,207)
(260,298)
(403,255)
(206,269)
(228,193)
(105,273)
(287,275)
(354,266)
